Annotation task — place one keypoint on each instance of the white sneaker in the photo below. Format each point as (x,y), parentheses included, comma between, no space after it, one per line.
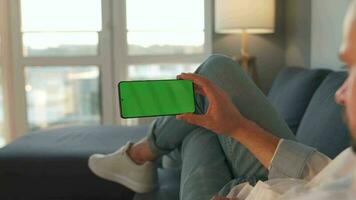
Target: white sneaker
(119,167)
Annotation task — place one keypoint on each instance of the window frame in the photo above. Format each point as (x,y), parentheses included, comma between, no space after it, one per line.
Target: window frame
(120,22)
(124,60)
(7,75)
(113,61)
(103,61)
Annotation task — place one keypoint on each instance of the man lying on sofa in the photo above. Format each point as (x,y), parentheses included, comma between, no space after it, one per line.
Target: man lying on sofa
(237,140)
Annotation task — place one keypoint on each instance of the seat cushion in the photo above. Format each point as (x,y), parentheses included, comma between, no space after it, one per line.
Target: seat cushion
(292,90)
(322,126)
(53,163)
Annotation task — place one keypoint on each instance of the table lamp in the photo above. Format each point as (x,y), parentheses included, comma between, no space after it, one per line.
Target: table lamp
(245,17)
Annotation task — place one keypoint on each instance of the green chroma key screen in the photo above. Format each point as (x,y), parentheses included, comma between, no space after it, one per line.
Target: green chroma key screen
(156,98)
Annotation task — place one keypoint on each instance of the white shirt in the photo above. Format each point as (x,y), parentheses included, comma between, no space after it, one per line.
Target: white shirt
(336,181)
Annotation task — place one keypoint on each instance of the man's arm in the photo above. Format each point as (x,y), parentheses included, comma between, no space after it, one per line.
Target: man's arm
(259,142)
(283,158)
(222,117)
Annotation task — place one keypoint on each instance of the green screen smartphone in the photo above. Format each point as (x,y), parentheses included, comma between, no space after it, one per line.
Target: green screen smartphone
(156,98)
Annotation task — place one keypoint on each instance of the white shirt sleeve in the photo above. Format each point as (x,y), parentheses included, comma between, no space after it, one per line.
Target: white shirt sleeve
(295,160)
(315,163)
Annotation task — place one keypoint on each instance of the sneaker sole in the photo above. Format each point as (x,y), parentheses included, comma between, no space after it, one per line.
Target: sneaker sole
(123,180)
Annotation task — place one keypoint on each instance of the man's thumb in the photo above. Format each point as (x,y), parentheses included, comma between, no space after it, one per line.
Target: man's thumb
(190,118)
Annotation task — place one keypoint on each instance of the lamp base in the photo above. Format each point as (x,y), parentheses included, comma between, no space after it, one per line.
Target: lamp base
(248,63)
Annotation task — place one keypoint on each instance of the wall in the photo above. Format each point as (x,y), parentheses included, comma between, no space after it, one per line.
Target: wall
(298,32)
(314,32)
(269,49)
(327,18)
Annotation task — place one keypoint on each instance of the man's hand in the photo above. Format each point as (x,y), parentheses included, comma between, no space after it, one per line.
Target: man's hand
(223,198)
(222,116)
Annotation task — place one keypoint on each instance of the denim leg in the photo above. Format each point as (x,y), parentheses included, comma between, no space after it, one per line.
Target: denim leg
(253,104)
(167,133)
(204,167)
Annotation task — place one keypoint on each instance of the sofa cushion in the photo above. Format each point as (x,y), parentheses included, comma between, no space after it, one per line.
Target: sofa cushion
(53,163)
(322,126)
(292,90)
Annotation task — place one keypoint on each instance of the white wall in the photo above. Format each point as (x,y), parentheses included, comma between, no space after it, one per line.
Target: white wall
(326,32)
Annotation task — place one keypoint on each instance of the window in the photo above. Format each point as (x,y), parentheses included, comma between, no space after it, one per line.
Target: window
(165,38)
(60,27)
(159,30)
(159,71)
(62,62)
(3,24)
(70,95)
(69,55)
(160,27)
(2,125)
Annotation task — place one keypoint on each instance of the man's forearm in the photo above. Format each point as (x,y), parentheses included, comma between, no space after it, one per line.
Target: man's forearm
(259,142)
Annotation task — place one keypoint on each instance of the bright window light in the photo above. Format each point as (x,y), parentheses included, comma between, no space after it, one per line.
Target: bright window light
(62,95)
(165,27)
(60,27)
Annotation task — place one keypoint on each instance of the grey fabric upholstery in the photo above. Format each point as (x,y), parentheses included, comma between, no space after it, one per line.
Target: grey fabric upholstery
(292,90)
(53,163)
(322,126)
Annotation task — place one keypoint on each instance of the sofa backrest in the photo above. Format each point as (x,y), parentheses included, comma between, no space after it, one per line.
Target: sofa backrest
(322,125)
(292,90)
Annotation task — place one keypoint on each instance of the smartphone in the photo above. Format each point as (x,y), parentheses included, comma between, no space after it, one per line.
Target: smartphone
(156,98)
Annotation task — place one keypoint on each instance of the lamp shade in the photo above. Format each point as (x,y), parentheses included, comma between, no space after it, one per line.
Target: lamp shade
(251,16)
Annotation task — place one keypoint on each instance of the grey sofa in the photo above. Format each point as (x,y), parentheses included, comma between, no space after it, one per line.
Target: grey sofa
(52,164)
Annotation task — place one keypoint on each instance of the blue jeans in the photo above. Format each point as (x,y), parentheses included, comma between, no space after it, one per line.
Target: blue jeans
(212,164)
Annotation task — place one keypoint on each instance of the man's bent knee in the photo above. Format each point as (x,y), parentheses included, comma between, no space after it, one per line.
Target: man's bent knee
(217,64)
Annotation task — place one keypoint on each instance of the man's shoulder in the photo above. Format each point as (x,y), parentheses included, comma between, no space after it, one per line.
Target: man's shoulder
(343,160)
(341,166)
(345,155)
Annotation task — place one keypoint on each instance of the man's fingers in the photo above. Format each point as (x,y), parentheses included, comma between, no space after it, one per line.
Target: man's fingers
(206,86)
(192,118)
(197,79)
(197,89)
